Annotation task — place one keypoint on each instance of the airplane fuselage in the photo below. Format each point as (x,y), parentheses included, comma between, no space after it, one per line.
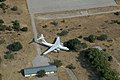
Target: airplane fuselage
(59,47)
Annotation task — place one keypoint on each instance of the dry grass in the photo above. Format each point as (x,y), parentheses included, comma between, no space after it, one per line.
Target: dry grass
(89,25)
(62,72)
(118,2)
(10,68)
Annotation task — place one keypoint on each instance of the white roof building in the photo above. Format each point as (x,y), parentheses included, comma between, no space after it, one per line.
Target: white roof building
(33,71)
(97,47)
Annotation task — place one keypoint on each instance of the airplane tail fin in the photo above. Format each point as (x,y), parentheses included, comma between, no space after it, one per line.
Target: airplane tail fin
(41,38)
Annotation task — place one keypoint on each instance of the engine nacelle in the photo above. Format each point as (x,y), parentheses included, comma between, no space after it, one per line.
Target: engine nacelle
(55,51)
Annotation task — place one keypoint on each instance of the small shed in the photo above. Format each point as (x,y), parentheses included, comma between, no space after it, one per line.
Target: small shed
(33,71)
(97,47)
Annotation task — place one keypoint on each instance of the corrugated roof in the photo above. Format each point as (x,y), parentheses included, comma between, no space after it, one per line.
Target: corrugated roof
(34,70)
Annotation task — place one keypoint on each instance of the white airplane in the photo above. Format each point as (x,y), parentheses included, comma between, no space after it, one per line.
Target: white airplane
(57,46)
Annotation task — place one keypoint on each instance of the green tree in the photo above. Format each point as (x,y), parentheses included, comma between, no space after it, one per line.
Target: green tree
(100,62)
(110,74)
(57,63)
(72,44)
(41,73)
(98,59)
(15,46)
(75,45)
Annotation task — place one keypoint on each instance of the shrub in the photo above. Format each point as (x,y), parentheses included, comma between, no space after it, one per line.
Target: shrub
(80,46)
(9,28)
(110,40)
(71,44)
(83,45)
(75,45)
(57,63)
(24,29)
(102,37)
(15,46)
(2,41)
(80,37)
(16,25)
(45,26)
(54,23)
(115,22)
(14,8)
(8,55)
(90,38)
(3,6)
(1,21)
(63,33)
(41,73)
(2,0)
(2,27)
(63,21)
(117,13)
(70,66)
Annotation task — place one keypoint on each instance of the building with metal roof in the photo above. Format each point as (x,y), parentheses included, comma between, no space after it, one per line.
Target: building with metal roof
(97,47)
(33,71)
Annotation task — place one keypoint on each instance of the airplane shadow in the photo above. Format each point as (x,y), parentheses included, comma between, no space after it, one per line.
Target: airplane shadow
(33,41)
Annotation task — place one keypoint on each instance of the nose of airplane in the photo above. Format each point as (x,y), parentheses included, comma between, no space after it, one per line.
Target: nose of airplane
(67,49)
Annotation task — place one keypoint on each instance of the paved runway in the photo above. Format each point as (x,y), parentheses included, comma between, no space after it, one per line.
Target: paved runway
(43,6)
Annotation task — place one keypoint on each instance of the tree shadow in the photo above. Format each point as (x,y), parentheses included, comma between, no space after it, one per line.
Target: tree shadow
(86,64)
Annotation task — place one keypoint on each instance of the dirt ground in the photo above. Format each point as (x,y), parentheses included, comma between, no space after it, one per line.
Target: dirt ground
(10,68)
(118,2)
(97,24)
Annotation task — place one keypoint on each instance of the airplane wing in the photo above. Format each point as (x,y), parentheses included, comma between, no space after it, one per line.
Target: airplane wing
(55,46)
